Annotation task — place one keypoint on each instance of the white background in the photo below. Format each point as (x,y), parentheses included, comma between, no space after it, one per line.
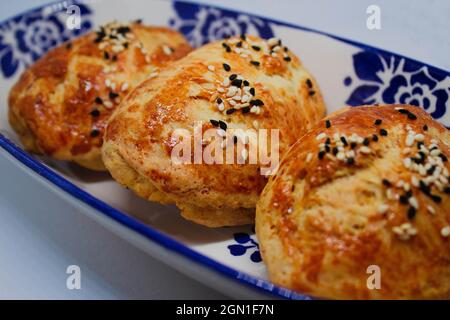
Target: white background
(40,235)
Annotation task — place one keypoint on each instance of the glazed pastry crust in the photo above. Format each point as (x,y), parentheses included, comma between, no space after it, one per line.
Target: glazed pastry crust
(138,141)
(50,106)
(322,222)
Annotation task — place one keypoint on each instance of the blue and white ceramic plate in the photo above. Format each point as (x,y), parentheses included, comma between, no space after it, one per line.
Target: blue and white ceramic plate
(228,259)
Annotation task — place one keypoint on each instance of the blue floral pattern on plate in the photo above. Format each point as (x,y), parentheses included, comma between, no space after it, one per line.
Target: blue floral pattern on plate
(203,24)
(25,38)
(244,245)
(384,78)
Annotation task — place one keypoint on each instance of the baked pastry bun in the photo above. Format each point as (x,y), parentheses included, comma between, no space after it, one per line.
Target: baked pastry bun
(240,83)
(60,105)
(363,194)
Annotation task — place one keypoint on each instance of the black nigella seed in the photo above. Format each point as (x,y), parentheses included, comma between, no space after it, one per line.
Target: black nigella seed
(424,188)
(239,44)
(403,199)
(226,67)
(287,58)
(328,123)
(69,46)
(309,83)
(328,141)
(344,141)
(447,190)
(243,37)
(223,125)
(383,132)
(237,83)
(386,182)
(412,116)
(321,154)
(230,111)
(420,144)
(255,63)
(114,58)
(95,133)
(256,102)
(311,93)
(436,198)
(256,48)
(350,161)
(123,29)
(335,151)
(431,170)
(425,127)
(233,76)
(378,122)
(375,138)
(246,83)
(443,157)
(353,145)
(98,100)
(245,109)
(125,45)
(113,95)
(235,139)
(252,91)
(106,55)
(411,213)
(403,111)
(215,123)
(327,148)
(366,141)
(138,21)
(219,100)
(409,194)
(94,113)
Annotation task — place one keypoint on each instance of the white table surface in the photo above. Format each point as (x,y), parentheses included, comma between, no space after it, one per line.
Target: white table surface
(40,234)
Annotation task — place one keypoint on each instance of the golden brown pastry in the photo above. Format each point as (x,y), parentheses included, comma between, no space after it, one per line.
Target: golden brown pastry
(246,83)
(60,105)
(368,186)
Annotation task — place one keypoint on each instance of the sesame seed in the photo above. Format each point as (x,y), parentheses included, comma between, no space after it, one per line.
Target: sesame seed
(365,150)
(211,68)
(309,157)
(431,209)
(383,208)
(321,136)
(108,104)
(445,231)
(167,50)
(413,202)
(124,86)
